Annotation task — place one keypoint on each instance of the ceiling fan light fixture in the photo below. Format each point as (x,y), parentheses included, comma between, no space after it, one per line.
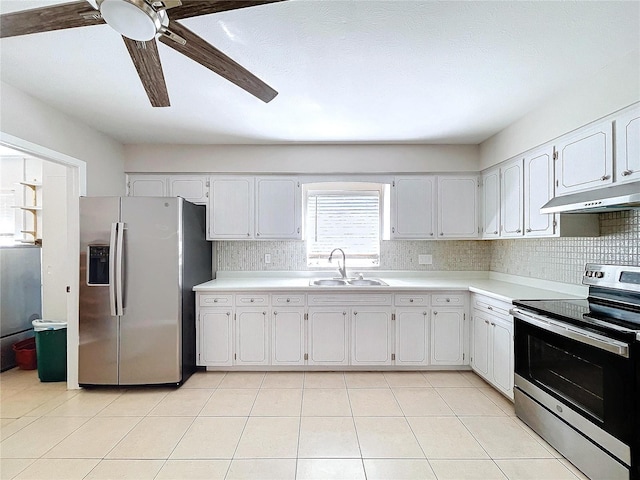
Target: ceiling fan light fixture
(134,19)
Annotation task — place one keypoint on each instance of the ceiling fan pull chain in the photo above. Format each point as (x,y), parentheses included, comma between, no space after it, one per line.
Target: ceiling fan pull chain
(169,34)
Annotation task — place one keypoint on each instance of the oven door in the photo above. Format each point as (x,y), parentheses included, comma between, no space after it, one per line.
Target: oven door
(588,373)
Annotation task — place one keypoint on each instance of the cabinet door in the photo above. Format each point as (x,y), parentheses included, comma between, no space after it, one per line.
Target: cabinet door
(328,336)
(411,336)
(147,186)
(287,336)
(252,337)
(457,207)
(278,206)
(538,190)
(628,145)
(511,198)
(585,159)
(192,188)
(502,355)
(215,347)
(491,204)
(371,336)
(447,336)
(231,208)
(413,207)
(480,340)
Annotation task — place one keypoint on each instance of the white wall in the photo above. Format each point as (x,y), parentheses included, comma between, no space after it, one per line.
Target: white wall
(301,158)
(613,88)
(30,119)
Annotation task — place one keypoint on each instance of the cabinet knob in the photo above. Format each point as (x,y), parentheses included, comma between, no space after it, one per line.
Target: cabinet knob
(344,313)
(490,307)
(518,231)
(248,234)
(487,322)
(228,314)
(605,177)
(288,300)
(355,313)
(431,234)
(448,300)
(495,232)
(528,230)
(627,172)
(275,314)
(298,229)
(441,234)
(411,300)
(257,234)
(493,324)
(215,300)
(424,314)
(393,229)
(264,313)
(435,313)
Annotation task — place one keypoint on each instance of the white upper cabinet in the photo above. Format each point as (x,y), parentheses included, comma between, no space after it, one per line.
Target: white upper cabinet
(413,203)
(538,190)
(192,188)
(585,158)
(230,208)
(147,186)
(491,203)
(511,199)
(628,144)
(458,207)
(278,208)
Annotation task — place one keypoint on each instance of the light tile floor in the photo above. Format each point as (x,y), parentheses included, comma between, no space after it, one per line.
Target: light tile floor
(275,425)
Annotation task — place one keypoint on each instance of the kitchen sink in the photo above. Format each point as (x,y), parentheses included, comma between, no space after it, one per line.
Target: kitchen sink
(366,282)
(338,282)
(328,282)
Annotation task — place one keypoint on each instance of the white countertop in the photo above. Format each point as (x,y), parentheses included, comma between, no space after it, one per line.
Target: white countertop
(502,287)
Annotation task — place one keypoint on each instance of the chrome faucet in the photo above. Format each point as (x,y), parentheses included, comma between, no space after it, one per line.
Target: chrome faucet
(343,270)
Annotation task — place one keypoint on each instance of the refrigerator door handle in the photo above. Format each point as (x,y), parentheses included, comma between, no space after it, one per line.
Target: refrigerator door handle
(112,269)
(119,269)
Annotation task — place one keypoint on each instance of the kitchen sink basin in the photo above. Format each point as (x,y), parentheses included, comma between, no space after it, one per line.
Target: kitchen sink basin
(338,282)
(366,282)
(328,282)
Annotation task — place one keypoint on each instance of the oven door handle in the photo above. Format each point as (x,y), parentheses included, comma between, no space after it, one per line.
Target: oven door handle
(572,332)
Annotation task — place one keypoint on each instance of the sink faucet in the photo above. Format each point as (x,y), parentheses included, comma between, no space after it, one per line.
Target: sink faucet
(343,270)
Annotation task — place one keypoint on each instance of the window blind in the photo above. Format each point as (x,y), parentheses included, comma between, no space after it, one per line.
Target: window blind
(349,220)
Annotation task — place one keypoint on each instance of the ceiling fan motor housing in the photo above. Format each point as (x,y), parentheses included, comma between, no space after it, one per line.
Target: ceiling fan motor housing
(134,19)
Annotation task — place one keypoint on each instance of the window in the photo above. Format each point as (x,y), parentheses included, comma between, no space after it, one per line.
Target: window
(7,217)
(344,215)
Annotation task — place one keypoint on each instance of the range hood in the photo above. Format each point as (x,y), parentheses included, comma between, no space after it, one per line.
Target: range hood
(608,199)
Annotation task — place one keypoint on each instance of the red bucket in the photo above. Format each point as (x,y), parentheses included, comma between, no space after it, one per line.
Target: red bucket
(26,354)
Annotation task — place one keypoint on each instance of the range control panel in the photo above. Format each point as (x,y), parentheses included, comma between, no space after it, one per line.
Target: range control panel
(620,277)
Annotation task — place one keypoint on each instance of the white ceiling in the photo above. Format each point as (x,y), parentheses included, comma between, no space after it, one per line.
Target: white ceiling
(346,70)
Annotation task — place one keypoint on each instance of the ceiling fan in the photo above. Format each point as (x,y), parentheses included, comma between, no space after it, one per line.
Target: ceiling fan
(140,22)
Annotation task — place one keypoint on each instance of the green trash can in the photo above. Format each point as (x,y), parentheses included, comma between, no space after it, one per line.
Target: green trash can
(51,350)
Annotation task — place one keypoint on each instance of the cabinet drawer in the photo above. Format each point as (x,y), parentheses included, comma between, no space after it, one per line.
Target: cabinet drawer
(350,299)
(409,300)
(251,300)
(287,300)
(495,307)
(447,300)
(207,300)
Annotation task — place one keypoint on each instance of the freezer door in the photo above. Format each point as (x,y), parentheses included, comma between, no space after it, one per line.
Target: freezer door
(150,328)
(98,328)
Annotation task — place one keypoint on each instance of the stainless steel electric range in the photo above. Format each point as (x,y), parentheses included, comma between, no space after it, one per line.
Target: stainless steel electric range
(577,372)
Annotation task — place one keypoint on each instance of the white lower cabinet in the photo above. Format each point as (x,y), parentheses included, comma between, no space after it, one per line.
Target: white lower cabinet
(287,336)
(447,336)
(215,347)
(328,336)
(252,336)
(371,336)
(411,336)
(492,343)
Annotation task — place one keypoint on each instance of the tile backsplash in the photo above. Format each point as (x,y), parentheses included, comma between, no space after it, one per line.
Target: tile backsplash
(563,259)
(556,259)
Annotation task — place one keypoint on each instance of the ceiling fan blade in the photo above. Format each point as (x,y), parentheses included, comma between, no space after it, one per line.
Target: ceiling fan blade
(147,62)
(46,19)
(196,8)
(205,54)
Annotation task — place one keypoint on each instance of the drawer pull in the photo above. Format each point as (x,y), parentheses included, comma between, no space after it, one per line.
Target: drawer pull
(288,300)
(251,300)
(411,300)
(490,307)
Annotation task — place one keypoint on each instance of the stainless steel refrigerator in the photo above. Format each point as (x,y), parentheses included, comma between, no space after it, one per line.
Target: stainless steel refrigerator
(139,260)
